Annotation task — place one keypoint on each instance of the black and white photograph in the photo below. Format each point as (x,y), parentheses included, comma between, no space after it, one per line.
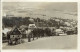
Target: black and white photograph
(39,25)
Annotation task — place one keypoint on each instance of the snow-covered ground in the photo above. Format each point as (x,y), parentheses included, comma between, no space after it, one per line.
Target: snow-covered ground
(53,42)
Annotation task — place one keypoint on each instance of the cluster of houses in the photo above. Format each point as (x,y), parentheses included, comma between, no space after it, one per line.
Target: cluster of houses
(63,27)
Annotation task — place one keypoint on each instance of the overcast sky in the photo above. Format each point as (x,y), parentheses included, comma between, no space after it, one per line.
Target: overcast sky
(69,8)
(47,5)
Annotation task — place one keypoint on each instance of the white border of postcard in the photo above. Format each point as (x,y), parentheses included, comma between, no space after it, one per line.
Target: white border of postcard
(77,50)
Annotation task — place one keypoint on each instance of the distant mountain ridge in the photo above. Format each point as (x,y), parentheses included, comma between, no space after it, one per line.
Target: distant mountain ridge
(45,11)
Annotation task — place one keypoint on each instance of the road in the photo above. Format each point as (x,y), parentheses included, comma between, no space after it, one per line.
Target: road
(53,42)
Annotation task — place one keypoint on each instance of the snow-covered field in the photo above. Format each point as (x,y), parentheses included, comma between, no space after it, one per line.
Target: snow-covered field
(42,10)
(53,42)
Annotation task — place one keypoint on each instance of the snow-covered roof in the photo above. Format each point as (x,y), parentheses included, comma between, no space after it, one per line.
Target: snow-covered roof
(6,30)
(57,30)
(32,25)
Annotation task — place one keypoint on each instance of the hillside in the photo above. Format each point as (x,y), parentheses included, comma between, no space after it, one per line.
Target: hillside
(42,10)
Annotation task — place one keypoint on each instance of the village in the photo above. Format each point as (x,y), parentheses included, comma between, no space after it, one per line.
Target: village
(38,28)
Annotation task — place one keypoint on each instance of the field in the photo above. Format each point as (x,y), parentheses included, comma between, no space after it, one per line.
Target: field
(53,42)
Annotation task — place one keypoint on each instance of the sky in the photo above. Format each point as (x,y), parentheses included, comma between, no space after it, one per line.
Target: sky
(38,9)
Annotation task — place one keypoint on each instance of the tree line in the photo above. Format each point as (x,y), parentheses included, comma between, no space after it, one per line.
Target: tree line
(18,21)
